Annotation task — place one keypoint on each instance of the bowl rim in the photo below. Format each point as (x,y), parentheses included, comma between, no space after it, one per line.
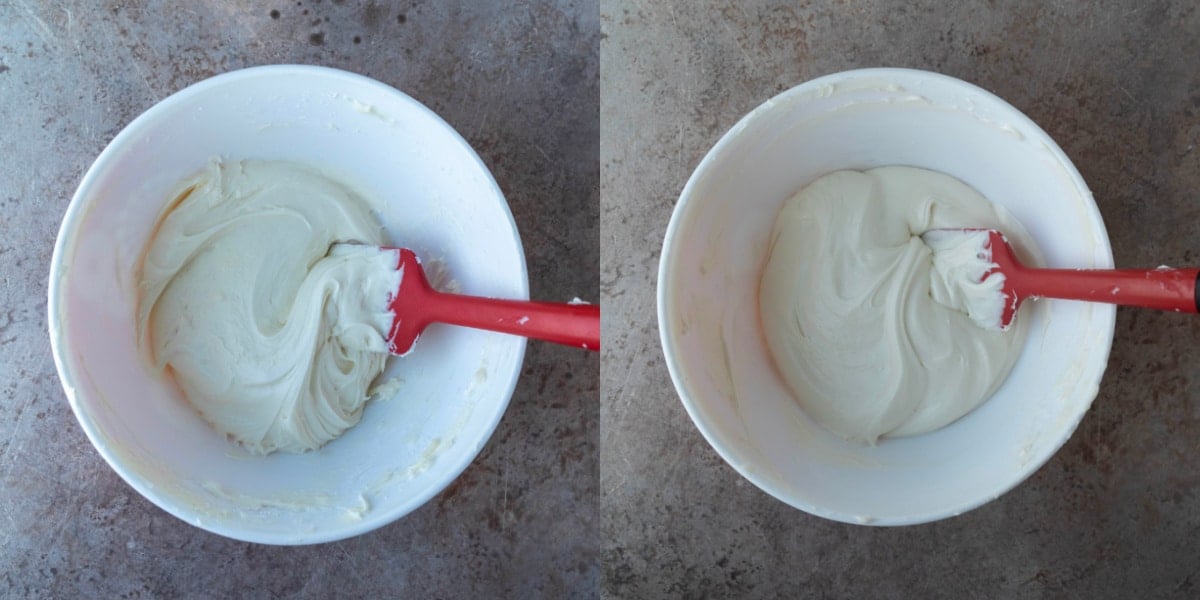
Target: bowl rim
(76,213)
(1105,320)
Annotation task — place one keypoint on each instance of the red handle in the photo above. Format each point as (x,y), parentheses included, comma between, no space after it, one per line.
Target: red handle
(570,324)
(416,304)
(1163,289)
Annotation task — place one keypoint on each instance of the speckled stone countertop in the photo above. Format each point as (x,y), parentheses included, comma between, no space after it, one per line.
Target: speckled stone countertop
(592,116)
(519,81)
(1115,513)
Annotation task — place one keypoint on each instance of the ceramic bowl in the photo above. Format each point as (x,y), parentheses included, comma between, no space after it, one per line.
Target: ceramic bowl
(438,198)
(713,256)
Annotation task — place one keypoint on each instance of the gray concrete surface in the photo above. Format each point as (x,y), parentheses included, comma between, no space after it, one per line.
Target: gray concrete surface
(519,80)
(1115,513)
(624,497)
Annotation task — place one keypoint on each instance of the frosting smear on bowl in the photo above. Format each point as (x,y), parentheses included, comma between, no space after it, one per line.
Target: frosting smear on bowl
(274,338)
(849,303)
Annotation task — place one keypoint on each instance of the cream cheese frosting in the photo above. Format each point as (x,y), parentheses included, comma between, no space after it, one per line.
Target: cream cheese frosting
(848,309)
(961,280)
(272,336)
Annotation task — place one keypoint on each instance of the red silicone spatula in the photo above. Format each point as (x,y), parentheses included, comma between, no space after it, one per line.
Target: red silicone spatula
(1162,288)
(416,305)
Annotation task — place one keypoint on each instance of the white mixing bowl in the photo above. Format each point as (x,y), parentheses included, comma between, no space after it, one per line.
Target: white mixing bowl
(713,256)
(441,201)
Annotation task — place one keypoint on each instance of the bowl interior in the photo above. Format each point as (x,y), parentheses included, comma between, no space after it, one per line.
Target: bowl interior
(713,256)
(440,200)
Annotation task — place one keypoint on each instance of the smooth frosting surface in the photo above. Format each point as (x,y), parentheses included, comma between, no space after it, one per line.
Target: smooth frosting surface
(272,336)
(848,311)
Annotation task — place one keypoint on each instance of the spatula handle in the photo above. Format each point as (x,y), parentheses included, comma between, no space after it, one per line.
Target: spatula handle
(575,325)
(1162,289)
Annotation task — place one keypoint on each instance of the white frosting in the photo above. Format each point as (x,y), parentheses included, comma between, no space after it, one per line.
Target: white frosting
(961,258)
(272,337)
(847,310)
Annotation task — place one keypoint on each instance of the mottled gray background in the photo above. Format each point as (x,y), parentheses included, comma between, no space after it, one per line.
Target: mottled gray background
(1116,513)
(519,80)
